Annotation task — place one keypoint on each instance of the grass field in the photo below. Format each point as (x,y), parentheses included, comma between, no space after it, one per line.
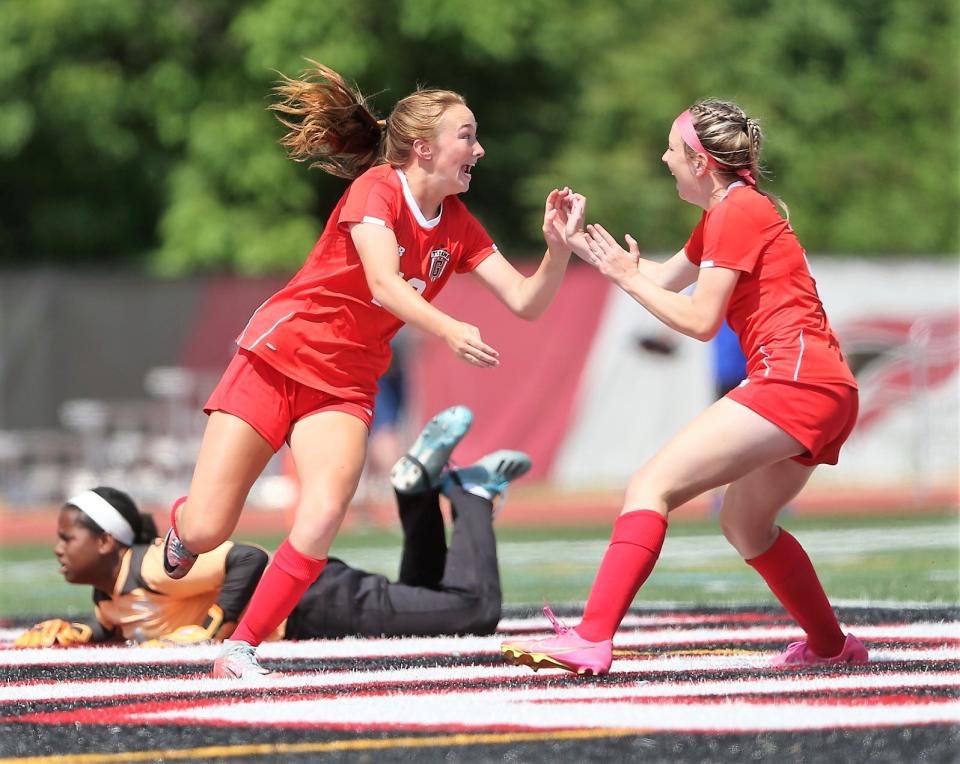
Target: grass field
(690,680)
(905,558)
(687,685)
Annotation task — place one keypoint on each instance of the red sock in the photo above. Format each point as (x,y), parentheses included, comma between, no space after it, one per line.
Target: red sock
(791,577)
(634,548)
(173,515)
(283,584)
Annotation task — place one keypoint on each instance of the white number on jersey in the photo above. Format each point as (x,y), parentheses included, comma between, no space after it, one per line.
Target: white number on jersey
(418,284)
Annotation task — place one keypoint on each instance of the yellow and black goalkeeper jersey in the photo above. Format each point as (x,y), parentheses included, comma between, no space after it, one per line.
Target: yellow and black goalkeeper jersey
(147,604)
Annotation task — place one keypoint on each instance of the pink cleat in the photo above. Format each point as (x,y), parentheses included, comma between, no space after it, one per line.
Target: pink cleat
(568,650)
(798,654)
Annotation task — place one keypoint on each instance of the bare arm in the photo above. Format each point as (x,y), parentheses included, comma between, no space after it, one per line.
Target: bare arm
(698,315)
(528,296)
(675,274)
(377,247)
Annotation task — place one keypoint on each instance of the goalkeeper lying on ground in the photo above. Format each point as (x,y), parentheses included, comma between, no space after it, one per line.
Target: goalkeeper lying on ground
(105,542)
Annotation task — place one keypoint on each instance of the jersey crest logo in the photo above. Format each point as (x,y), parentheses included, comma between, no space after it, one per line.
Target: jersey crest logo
(438,263)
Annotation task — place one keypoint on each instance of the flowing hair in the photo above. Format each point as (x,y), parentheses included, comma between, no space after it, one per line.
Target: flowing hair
(331,125)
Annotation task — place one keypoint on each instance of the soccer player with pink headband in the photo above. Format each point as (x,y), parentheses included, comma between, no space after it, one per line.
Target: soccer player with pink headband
(763,439)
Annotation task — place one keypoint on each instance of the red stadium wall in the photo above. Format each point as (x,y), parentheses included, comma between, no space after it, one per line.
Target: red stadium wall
(528,401)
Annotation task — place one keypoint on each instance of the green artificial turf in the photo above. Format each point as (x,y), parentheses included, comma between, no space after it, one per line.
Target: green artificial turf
(882,558)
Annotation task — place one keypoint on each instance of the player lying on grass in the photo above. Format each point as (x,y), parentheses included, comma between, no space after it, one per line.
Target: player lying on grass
(105,542)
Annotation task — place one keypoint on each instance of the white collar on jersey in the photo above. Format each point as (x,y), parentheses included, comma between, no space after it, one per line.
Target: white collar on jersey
(730,188)
(415,208)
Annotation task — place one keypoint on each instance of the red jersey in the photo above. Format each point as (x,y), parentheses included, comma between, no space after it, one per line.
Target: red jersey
(774,309)
(324,329)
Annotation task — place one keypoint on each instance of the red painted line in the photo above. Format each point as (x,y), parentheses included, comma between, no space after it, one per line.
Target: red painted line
(768,699)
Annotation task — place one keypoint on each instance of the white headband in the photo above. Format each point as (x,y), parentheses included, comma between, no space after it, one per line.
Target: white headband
(104,514)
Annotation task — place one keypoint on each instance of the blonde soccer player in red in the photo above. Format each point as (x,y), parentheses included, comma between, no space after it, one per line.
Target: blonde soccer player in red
(309,358)
(765,437)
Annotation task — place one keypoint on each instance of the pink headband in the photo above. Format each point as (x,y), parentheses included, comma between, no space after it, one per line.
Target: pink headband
(684,125)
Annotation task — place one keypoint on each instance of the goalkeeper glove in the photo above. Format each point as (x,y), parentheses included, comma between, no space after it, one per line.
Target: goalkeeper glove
(193,634)
(55,632)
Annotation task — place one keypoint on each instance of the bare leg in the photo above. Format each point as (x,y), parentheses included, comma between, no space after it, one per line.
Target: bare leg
(232,456)
(752,503)
(721,445)
(328,451)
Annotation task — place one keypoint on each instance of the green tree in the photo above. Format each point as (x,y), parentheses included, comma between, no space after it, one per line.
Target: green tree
(136,131)
(858,100)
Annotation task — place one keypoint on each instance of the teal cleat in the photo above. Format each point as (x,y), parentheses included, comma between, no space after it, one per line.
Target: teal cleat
(490,476)
(419,469)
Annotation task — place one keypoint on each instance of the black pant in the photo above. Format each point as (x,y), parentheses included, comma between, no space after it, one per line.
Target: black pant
(438,592)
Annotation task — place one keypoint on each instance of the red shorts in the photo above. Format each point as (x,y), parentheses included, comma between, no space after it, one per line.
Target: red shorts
(271,402)
(821,417)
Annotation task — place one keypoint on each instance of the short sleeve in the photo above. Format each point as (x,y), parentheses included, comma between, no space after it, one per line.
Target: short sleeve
(477,244)
(101,617)
(731,239)
(370,200)
(693,249)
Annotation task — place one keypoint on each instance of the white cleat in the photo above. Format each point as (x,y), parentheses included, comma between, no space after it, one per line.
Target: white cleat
(238,660)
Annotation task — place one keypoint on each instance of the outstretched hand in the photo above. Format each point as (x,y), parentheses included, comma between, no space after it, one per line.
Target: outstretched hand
(55,632)
(464,340)
(612,260)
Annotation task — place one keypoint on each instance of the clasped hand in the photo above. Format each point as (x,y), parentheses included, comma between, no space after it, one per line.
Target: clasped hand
(563,218)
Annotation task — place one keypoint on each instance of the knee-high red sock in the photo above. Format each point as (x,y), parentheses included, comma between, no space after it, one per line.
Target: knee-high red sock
(634,549)
(283,584)
(791,577)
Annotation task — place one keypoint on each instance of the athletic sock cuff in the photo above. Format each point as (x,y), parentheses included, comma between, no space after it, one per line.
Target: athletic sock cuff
(640,527)
(780,559)
(296,564)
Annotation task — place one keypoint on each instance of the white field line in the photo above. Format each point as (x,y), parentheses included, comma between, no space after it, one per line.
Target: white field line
(499,708)
(359,648)
(412,677)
